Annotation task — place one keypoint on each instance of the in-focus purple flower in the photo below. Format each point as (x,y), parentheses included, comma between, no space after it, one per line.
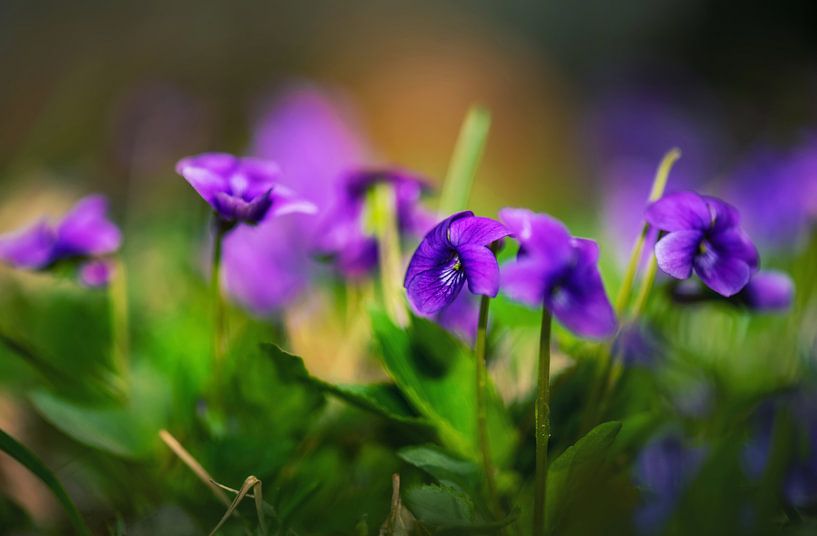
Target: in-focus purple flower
(557,271)
(457,250)
(341,235)
(663,470)
(704,235)
(84,232)
(241,190)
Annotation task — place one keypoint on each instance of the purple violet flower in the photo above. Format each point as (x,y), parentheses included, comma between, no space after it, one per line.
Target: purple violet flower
(83,233)
(96,273)
(241,190)
(558,271)
(703,234)
(341,236)
(768,291)
(457,250)
(314,139)
(663,471)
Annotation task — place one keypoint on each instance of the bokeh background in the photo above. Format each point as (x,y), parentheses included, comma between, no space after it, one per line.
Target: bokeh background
(585,99)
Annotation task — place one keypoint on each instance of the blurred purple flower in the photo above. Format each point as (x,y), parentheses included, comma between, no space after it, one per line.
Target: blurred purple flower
(703,234)
(629,128)
(314,140)
(84,232)
(460,317)
(800,409)
(663,470)
(454,252)
(779,189)
(241,190)
(96,273)
(636,345)
(768,291)
(558,271)
(340,235)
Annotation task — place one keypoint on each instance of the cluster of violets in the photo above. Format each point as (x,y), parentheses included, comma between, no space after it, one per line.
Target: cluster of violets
(304,200)
(84,235)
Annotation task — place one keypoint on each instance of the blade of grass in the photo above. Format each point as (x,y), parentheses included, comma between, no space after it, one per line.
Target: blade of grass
(382,203)
(193,464)
(465,160)
(27,459)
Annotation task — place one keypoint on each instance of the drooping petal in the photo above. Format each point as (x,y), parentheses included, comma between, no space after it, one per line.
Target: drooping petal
(679,211)
(460,317)
(524,281)
(675,252)
(481,269)
(475,230)
(433,289)
(769,291)
(537,233)
(580,302)
(724,274)
(434,248)
(733,242)
(208,173)
(86,230)
(722,213)
(586,250)
(31,248)
(285,201)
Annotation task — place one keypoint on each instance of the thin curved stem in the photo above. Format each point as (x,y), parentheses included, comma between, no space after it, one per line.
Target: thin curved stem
(542,425)
(482,416)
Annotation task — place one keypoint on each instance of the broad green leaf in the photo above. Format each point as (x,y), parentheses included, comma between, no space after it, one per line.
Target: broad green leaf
(436,374)
(384,399)
(447,469)
(114,429)
(27,458)
(578,469)
(445,510)
(441,506)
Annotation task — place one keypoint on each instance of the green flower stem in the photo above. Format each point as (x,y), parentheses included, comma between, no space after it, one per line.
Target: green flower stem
(607,373)
(382,214)
(482,391)
(658,186)
(217,296)
(542,425)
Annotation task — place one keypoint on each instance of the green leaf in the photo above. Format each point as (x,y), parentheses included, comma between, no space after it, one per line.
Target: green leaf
(27,458)
(436,374)
(447,469)
(114,429)
(441,506)
(384,399)
(576,471)
(445,510)
(465,160)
